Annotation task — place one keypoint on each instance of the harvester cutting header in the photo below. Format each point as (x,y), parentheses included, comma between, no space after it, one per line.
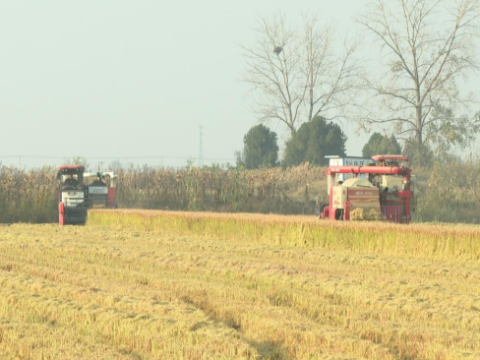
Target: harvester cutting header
(79,190)
(387,194)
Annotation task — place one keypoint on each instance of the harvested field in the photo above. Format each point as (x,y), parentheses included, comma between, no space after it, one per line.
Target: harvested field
(159,285)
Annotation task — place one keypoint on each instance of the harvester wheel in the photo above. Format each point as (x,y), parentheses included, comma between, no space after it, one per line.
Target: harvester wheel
(339,214)
(61,214)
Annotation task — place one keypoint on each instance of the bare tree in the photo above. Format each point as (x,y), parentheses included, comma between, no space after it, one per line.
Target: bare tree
(427,48)
(296,75)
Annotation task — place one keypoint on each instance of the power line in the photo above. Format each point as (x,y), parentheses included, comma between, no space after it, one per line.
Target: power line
(116,157)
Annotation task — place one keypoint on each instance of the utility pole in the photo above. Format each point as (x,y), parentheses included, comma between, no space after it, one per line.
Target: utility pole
(200,148)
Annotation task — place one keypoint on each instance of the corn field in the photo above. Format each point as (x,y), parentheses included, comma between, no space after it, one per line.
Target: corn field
(446,193)
(27,196)
(264,191)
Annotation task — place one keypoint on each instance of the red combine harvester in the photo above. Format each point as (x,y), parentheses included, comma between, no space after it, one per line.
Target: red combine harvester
(72,195)
(101,189)
(387,194)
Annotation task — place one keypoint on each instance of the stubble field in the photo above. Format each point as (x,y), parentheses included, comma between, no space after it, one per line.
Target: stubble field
(157,285)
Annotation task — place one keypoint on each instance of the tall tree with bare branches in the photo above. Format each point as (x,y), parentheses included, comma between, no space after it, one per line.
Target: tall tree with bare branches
(297,74)
(427,48)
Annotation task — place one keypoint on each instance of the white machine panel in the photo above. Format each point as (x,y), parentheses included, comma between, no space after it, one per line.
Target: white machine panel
(72,198)
(345,161)
(98,190)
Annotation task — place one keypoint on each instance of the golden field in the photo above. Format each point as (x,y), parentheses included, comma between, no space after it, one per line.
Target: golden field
(166,285)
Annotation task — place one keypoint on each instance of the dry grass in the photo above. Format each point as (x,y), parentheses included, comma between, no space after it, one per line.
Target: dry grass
(28,196)
(79,293)
(291,190)
(435,241)
(448,193)
(156,285)
(31,196)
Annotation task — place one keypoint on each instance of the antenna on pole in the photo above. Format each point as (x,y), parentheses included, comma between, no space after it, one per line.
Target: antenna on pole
(200,148)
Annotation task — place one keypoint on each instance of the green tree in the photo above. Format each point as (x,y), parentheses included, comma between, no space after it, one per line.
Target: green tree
(421,156)
(379,144)
(260,148)
(313,141)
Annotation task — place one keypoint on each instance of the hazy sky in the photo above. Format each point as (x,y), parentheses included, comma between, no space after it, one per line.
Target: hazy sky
(124,79)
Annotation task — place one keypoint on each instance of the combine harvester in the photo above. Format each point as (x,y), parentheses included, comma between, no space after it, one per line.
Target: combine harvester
(387,194)
(101,189)
(78,191)
(72,195)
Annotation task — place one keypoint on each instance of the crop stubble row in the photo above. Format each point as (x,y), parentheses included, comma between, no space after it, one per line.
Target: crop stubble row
(127,286)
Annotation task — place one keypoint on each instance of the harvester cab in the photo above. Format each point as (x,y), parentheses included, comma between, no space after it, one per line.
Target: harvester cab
(72,195)
(101,188)
(387,194)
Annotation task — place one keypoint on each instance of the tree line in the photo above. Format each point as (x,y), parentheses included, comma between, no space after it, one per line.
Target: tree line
(410,85)
(313,142)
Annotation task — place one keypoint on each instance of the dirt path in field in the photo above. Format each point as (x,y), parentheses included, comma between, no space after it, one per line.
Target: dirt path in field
(102,293)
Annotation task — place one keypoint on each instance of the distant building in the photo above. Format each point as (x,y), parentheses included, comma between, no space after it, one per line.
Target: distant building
(335,160)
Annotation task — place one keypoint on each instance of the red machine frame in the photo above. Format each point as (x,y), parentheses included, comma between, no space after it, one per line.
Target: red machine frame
(395,206)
